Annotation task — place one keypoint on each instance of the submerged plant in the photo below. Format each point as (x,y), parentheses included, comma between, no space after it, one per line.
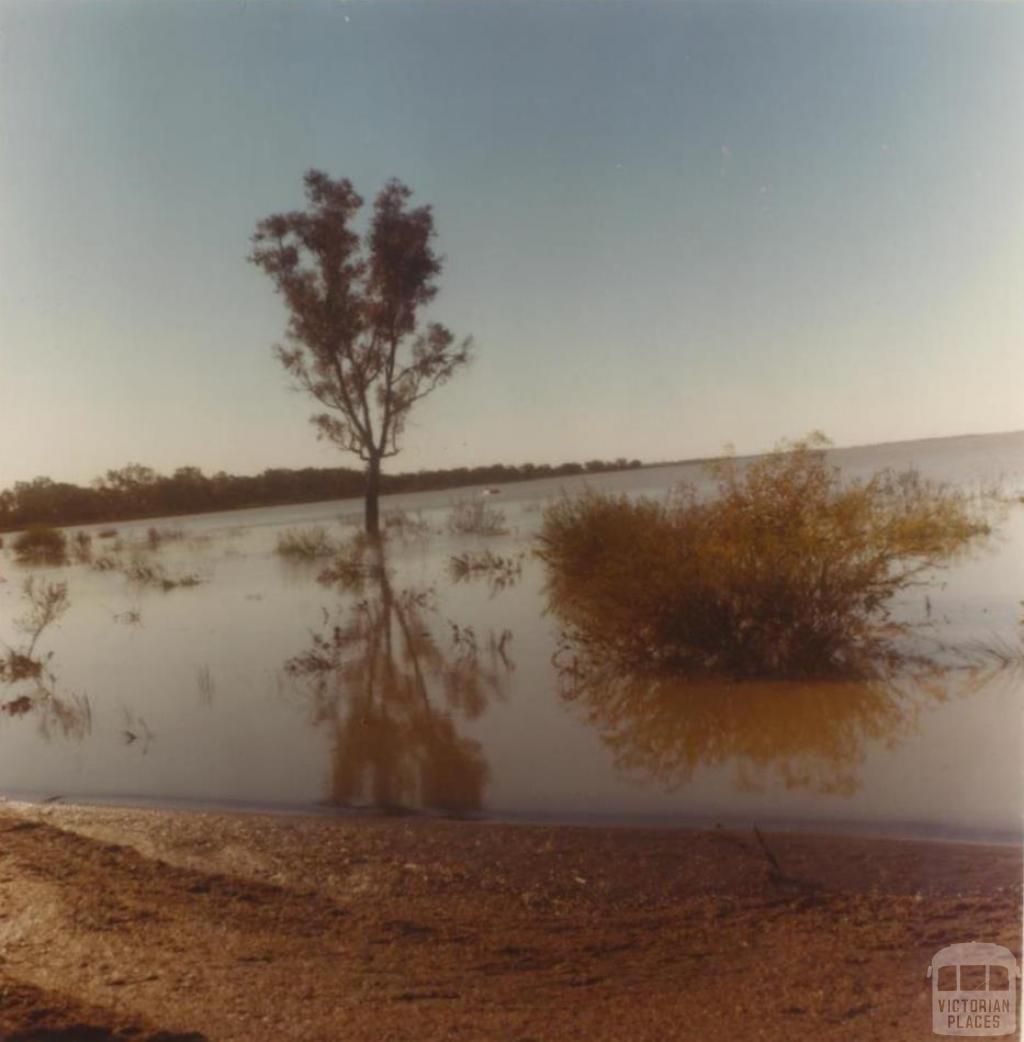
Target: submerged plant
(205,685)
(355,561)
(476,517)
(404,524)
(41,544)
(81,547)
(788,570)
(143,573)
(47,602)
(499,571)
(306,544)
(71,715)
(129,617)
(136,730)
(156,537)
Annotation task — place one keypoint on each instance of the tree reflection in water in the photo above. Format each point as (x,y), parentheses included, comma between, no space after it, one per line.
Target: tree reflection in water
(803,735)
(391,694)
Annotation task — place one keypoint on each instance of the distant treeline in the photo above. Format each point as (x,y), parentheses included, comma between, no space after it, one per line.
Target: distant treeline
(136,491)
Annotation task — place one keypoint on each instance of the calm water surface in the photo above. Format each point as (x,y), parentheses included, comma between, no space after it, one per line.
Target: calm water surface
(263,687)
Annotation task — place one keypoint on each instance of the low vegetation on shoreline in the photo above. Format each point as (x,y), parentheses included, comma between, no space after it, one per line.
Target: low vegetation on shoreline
(136,492)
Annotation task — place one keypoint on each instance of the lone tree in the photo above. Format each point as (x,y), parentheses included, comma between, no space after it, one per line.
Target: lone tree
(355,339)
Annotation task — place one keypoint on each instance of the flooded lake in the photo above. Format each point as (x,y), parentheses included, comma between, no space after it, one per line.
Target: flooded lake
(426,691)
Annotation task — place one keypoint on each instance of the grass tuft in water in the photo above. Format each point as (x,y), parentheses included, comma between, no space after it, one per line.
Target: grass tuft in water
(156,537)
(143,573)
(306,544)
(476,517)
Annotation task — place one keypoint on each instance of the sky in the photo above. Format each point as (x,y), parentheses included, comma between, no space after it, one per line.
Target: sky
(668,225)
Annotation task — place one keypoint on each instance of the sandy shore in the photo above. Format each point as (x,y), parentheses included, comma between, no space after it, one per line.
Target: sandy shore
(160,925)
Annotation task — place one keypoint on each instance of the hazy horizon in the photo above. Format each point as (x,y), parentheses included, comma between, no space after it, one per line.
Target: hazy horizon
(669,226)
(351,463)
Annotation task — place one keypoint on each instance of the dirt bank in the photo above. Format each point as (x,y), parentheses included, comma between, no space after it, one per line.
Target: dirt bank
(168,926)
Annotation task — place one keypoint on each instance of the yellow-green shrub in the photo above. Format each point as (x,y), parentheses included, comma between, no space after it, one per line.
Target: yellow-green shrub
(787,570)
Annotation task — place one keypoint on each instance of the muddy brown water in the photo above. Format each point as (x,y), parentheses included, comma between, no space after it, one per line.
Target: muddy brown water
(261,687)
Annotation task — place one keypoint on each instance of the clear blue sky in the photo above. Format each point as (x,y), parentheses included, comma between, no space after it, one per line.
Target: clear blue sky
(668,225)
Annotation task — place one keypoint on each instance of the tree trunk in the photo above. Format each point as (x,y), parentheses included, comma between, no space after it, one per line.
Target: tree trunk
(372,498)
